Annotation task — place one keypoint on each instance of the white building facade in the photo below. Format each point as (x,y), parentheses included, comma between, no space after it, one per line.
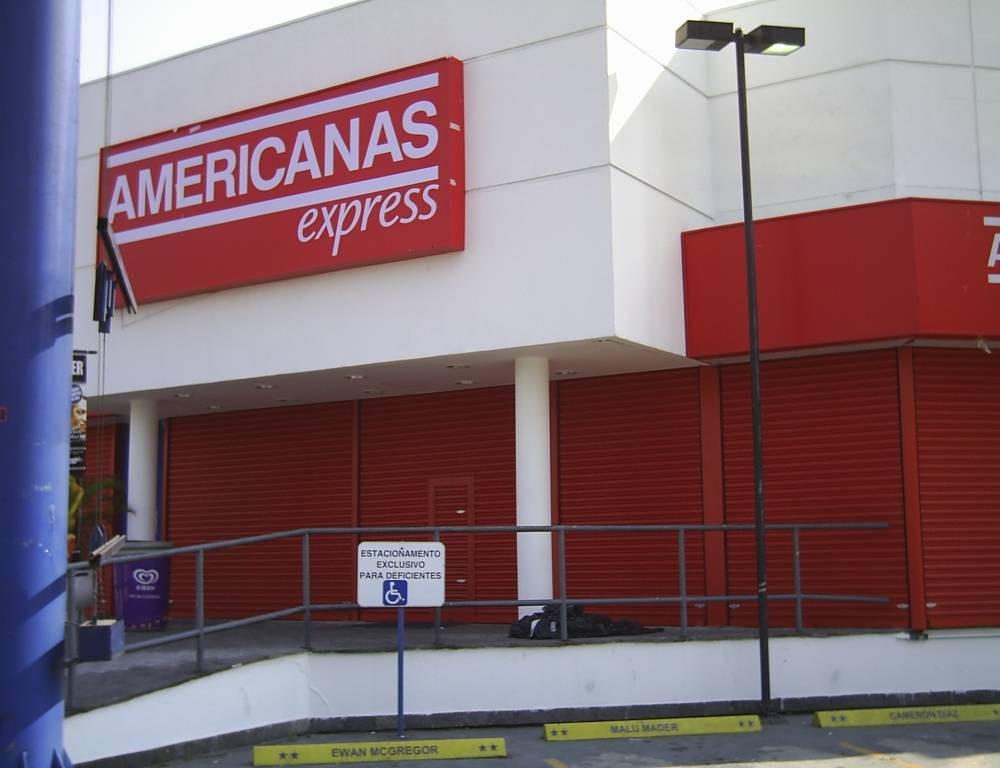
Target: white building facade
(551,369)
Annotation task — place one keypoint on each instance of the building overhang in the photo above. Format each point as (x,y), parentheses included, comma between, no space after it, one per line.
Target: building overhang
(568,360)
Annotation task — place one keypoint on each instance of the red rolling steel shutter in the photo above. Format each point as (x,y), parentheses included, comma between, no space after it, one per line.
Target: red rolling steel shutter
(254,472)
(958,443)
(831,454)
(103,447)
(105,444)
(630,453)
(447,459)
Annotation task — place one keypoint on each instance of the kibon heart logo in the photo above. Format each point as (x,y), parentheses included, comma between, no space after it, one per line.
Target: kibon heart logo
(146,576)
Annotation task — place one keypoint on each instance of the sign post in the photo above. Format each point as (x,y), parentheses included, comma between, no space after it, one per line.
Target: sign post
(400,575)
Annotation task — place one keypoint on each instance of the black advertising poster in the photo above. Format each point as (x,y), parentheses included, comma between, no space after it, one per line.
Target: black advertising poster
(77,432)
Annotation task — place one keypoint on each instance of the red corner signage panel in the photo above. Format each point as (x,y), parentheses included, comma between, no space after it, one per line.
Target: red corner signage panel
(358,174)
(899,269)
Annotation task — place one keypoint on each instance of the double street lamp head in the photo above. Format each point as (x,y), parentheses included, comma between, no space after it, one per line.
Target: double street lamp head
(716,35)
(704,35)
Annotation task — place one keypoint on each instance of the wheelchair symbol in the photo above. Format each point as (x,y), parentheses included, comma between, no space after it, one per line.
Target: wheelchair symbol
(394,593)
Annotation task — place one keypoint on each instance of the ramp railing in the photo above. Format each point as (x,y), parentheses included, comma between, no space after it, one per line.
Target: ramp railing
(306,608)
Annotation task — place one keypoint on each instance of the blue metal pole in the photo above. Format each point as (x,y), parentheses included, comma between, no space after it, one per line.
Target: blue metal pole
(39,80)
(400,647)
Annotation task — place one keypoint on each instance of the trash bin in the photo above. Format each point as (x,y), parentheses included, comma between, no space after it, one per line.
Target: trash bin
(142,587)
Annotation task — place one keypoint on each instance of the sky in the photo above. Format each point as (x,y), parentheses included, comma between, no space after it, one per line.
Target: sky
(144,31)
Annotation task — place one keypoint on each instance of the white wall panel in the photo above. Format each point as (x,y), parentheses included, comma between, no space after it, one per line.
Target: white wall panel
(988,91)
(835,39)
(658,126)
(536,269)
(536,111)
(85,240)
(85,334)
(649,25)
(985,33)
(845,34)
(826,138)
(85,244)
(934,131)
(648,280)
(90,136)
(926,30)
(328,49)
(879,104)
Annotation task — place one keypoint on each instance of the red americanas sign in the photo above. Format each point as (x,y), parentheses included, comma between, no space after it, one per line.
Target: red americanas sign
(357,174)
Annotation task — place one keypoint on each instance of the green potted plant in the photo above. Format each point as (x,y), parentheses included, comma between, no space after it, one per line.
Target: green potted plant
(90,519)
(92,510)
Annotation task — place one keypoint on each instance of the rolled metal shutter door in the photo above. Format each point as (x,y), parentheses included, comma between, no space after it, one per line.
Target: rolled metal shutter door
(253,472)
(630,453)
(832,453)
(958,442)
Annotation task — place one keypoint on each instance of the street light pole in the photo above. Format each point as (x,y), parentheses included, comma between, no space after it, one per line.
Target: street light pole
(780,41)
(763,630)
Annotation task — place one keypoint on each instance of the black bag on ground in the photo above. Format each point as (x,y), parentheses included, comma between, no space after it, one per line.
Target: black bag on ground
(545,624)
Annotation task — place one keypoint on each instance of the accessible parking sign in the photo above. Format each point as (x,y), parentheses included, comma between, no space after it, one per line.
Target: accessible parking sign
(400,574)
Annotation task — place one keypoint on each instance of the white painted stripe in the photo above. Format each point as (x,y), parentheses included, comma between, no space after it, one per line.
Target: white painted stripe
(991,221)
(379,93)
(993,279)
(279,204)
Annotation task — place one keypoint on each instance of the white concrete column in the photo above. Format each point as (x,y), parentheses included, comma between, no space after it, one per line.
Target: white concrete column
(534,481)
(143,455)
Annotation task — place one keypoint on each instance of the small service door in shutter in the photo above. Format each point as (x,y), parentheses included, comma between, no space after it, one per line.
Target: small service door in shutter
(446,459)
(957,395)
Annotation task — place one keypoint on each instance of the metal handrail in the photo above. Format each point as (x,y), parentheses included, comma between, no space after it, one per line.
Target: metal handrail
(307,607)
